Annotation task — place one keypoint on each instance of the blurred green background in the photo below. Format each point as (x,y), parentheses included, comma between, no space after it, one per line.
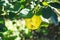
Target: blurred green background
(13,24)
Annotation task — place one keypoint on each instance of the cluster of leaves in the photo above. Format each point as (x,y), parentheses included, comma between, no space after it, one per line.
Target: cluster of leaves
(18,18)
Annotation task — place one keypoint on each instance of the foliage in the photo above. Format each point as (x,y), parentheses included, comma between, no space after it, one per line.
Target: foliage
(20,19)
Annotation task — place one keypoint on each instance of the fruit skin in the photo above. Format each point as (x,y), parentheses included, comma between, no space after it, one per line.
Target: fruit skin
(33,23)
(45,3)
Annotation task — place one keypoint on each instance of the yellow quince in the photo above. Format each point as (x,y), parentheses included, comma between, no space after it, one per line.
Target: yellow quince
(33,23)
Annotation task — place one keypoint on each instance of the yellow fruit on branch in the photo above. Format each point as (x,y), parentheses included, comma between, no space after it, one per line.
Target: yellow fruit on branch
(33,23)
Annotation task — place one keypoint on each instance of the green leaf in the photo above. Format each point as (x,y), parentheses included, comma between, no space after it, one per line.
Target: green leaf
(39,12)
(29,15)
(10,38)
(44,24)
(11,15)
(54,0)
(55,4)
(2,28)
(27,35)
(7,7)
(2,25)
(54,19)
(1,20)
(0,8)
(22,1)
(16,6)
(47,12)
(1,3)
(22,6)
(22,15)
